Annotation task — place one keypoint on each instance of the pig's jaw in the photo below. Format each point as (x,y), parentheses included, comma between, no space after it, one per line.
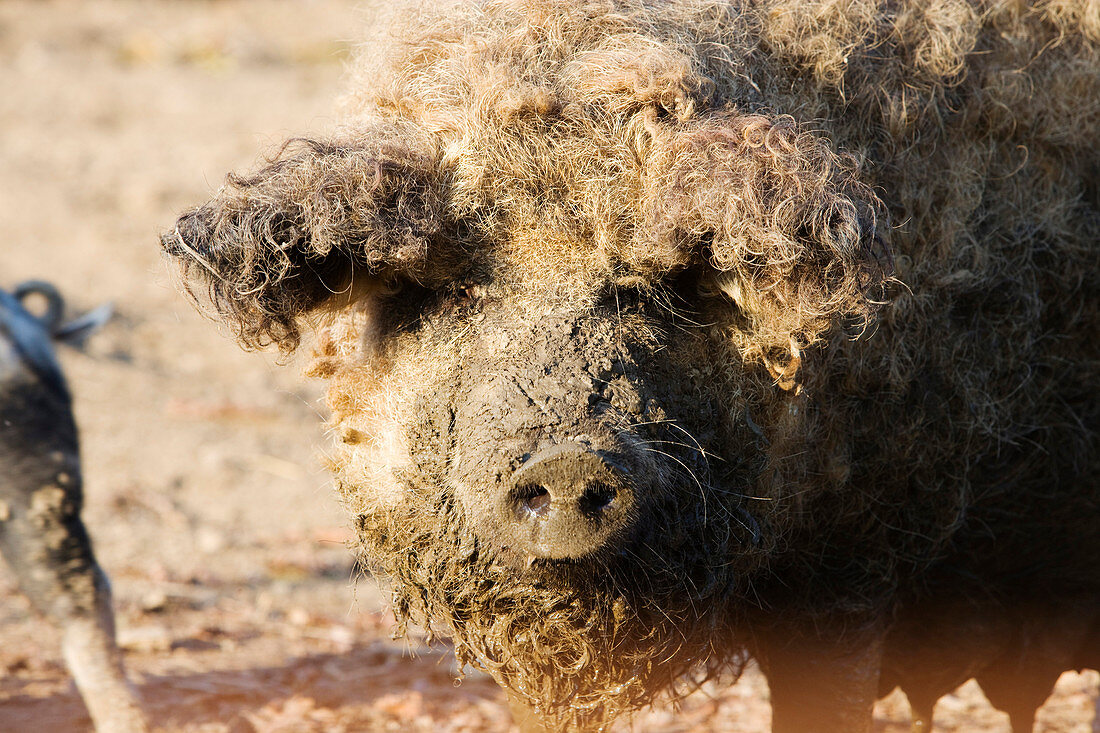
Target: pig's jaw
(593,626)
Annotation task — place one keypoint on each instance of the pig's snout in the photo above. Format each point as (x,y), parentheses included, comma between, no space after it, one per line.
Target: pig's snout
(567,501)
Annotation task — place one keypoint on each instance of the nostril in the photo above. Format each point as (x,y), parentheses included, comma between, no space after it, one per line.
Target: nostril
(532,499)
(596,498)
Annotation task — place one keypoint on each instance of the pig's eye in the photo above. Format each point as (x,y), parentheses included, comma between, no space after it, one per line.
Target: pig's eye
(674,295)
(412,305)
(464,295)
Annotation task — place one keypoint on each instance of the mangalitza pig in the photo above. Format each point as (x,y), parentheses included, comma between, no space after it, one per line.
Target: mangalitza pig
(662,335)
(41,493)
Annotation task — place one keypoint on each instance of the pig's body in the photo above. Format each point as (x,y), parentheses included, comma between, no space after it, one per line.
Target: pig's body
(666,333)
(41,494)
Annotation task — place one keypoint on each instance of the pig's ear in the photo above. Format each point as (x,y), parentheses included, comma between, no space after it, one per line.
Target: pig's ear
(791,232)
(307,230)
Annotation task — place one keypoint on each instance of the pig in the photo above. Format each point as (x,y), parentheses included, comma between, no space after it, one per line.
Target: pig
(666,335)
(42,537)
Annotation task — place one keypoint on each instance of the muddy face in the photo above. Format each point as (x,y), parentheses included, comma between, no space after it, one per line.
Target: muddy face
(558,430)
(551,474)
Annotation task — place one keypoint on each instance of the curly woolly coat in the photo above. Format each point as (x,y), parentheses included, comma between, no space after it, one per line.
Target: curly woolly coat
(901,199)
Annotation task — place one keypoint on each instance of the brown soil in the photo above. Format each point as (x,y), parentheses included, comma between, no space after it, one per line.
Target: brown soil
(237,602)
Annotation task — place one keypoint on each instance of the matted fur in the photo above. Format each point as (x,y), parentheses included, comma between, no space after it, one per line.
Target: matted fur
(801,159)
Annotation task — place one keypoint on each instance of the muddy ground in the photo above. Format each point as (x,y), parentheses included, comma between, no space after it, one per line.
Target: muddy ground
(236,598)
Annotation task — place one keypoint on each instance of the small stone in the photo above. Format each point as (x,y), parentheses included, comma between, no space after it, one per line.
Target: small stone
(298,617)
(342,637)
(154,601)
(154,638)
(209,540)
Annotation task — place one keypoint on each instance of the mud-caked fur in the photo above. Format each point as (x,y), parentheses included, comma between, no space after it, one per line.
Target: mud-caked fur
(825,271)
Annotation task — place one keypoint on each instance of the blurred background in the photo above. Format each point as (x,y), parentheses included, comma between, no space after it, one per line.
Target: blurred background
(238,604)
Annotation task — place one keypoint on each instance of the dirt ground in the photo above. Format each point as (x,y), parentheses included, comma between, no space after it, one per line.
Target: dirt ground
(236,599)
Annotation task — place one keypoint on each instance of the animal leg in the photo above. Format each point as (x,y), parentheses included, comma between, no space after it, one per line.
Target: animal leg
(1020,698)
(1049,642)
(922,710)
(823,685)
(1020,690)
(92,654)
(48,547)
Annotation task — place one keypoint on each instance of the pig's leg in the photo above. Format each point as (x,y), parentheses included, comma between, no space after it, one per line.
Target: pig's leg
(1049,643)
(1020,693)
(922,707)
(821,685)
(47,546)
(93,657)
